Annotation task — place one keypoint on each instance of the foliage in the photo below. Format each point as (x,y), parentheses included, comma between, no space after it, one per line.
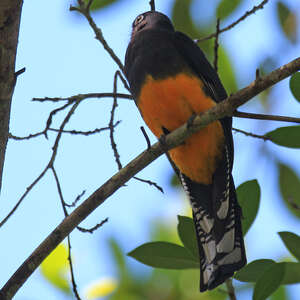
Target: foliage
(266,276)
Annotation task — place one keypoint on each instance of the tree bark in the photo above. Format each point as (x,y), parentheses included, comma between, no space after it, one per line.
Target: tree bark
(10,13)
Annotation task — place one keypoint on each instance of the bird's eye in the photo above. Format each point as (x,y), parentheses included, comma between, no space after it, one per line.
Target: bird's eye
(138,19)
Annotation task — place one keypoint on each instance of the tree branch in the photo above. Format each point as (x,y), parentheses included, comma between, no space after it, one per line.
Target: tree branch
(245,115)
(243,17)
(175,138)
(10,13)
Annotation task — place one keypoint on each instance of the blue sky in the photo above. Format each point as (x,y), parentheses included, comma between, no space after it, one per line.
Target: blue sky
(62,58)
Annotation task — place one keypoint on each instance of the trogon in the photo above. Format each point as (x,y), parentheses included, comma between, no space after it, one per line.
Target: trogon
(171,81)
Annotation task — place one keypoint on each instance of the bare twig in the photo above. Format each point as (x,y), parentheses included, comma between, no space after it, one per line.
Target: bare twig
(150,183)
(91,230)
(49,165)
(84,10)
(19,72)
(52,113)
(263,137)
(173,139)
(81,97)
(63,204)
(110,125)
(240,114)
(74,285)
(152,5)
(73,204)
(75,132)
(243,17)
(146,137)
(216,45)
(230,289)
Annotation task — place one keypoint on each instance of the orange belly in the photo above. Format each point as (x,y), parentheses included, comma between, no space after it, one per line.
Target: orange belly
(170,103)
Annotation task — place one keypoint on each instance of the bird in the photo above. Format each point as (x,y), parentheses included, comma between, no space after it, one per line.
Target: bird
(171,82)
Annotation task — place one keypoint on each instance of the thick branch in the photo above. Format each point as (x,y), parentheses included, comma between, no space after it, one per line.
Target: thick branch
(10,13)
(175,138)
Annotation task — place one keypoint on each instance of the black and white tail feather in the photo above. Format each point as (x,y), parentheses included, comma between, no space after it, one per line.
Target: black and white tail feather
(217,218)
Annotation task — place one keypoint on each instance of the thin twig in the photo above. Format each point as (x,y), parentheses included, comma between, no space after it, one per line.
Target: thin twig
(245,115)
(73,204)
(52,113)
(110,125)
(63,204)
(150,183)
(230,289)
(243,17)
(74,285)
(81,97)
(216,47)
(146,137)
(50,163)
(75,132)
(265,138)
(19,72)
(84,10)
(152,5)
(173,139)
(91,230)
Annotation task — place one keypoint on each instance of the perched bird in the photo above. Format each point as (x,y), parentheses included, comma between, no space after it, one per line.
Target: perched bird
(171,81)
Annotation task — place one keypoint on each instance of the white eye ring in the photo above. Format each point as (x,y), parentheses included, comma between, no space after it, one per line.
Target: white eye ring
(139,19)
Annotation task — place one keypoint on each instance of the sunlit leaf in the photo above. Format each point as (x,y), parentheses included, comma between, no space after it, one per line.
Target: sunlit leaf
(187,234)
(269,281)
(285,136)
(252,271)
(164,255)
(289,183)
(227,7)
(292,273)
(100,288)
(55,268)
(248,194)
(288,21)
(292,242)
(295,85)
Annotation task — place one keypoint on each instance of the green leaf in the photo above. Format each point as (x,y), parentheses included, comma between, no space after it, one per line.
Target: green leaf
(227,7)
(55,268)
(292,273)
(285,136)
(187,234)
(99,4)
(119,259)
(289,184)
(269,281)
(288,21)
(248,194)
(295,85)
(182,18)
(164,255)
(292,242)
(280,294)
(252,271)
(226,71)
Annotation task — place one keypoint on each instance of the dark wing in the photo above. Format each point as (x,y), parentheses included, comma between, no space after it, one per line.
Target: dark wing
(197,61)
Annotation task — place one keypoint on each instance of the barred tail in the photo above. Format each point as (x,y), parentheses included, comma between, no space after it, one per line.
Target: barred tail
(217,218)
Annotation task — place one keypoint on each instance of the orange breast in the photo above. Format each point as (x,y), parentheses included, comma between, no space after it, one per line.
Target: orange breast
(170,103)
